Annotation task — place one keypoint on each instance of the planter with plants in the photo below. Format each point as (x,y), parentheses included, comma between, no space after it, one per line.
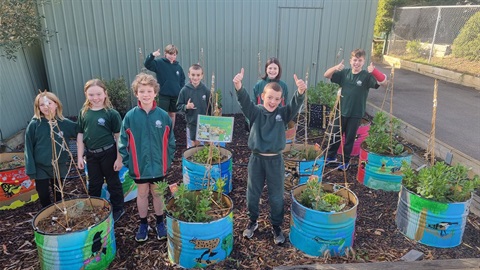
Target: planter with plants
(323,218)
(74,233)
(434,203)
(321,99)
(16,188)
(199,225)
(203,165)
(302,161)
(382,156)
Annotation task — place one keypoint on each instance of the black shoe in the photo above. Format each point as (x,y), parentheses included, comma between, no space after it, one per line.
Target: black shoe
(248,232)
(117,214)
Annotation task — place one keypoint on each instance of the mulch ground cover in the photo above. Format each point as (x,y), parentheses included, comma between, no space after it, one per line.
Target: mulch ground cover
(376,236)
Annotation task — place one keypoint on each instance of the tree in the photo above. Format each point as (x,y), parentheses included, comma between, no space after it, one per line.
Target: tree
(20,26)
(467,43)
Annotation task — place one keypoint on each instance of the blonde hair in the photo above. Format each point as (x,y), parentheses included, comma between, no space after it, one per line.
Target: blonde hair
(171,49)
(87,105)
(36,105)
(145,79)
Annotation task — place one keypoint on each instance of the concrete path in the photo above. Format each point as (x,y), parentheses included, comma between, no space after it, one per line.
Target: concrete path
(458,108)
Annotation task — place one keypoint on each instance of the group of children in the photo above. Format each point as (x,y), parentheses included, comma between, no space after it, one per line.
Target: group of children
(144,141)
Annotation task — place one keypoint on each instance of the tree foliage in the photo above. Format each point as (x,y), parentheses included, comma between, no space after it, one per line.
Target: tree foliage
(467,43)
(20,26)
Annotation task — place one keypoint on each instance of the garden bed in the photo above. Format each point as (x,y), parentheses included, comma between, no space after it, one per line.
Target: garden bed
(376,236)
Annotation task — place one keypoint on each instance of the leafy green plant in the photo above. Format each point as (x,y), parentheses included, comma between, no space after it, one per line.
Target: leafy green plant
(314,197)
(467,42)
(311,152)
(440,182)
(323,93)
(414,49)
(202,155)
(195,206)
(119,95)
(381,135)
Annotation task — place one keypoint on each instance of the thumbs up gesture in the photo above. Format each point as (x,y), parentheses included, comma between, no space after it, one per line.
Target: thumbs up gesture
(340,66)
(370,67)
(190,104)
(237,80)
(301,85)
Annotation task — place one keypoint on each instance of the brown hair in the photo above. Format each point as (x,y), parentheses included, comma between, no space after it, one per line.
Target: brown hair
(145,79)
(273,60)
(171,49)
(357,53)
(195,67)
(87,105)
(274,86)
(36,105)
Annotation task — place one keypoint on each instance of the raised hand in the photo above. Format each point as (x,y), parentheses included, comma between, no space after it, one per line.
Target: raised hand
(157,53)
(190,105)
(301,85)
(340,66)
(370,67)
(237,80)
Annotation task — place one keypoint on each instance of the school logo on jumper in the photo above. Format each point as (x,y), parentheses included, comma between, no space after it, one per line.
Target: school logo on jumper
(204,97)
(178,73)
(359,83)
(101,121)
(158,124)
(278,118)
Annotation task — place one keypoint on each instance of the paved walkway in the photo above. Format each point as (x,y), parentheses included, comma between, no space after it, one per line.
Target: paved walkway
(458,108)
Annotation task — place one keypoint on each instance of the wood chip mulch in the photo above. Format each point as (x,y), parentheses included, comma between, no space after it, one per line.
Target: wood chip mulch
(376,236)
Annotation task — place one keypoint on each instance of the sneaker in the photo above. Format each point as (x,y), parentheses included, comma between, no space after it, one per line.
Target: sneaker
(117,214)
(142,234)
(278,237)
(330,160)
(344,167)
(161,231)
(252,226)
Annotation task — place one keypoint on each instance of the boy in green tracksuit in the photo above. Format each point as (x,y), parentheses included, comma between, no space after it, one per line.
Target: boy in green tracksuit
(170,76)
(147,146)
(267,141)
(355,84)
(194,99)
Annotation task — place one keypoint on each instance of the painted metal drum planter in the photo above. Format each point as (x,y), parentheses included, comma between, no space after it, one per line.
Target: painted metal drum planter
(382,171)
(301,169)
(128,185)
(89,248)
(362,134)
(16,188)
(436,224)
(317,233)
(199,244)
(195,174)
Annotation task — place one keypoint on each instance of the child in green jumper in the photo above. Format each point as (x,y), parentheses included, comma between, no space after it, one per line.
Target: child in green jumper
(267,141)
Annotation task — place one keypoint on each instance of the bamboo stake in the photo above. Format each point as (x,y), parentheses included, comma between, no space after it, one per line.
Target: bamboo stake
(430,154)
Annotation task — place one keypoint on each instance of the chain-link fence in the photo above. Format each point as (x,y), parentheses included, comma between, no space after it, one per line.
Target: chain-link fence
(427,31)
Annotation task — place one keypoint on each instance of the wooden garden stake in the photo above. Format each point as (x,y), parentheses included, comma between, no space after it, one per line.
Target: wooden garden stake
(430,154)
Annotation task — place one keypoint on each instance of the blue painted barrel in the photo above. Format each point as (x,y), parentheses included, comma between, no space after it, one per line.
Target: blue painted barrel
(199,244)
(302,168)
(316,233)
(432,223)
(128,185)
(383,171)
(195,175)
(88,248)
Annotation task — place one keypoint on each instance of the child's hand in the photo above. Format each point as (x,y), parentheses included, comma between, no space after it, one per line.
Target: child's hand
(370,68)
(301,85)
(157,53)
(80,164)
(237,80)
(340,66)
(118,164)
(190,105)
